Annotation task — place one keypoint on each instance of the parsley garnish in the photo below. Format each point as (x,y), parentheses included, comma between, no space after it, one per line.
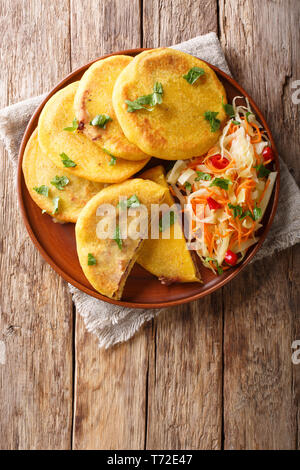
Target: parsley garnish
(237,123)
(203,176)
(44,190)
(151,100)
(228,108)
(211,117)
(101,120)
(91,260)
(167,219)
(67,162)
(74,126)
(247,115)
(117,237)
(237,210)
(113,159)
(188,186)
(193,74)
(60,182)
(55,205)
(262,171)
(257,212)
(219,268)
(133,201)
(221,183)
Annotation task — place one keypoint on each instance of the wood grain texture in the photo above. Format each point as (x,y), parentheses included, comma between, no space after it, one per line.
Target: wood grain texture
(110,387)
(36,308)
(261,318)
(185,359)
(167,22)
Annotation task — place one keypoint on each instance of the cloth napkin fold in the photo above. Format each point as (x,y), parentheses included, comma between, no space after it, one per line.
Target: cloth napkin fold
(113,324)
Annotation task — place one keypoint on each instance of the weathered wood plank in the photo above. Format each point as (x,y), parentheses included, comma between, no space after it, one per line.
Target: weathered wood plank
(36,308)
(110,385)
(262,306)
(185,373)
(167,22)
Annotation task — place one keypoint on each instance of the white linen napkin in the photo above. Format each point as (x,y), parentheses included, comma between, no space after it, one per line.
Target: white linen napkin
(113,324)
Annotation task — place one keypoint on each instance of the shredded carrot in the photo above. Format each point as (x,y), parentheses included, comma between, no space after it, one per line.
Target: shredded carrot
(264,191)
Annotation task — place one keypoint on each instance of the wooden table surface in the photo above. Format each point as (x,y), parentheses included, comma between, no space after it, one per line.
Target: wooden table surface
(213,374)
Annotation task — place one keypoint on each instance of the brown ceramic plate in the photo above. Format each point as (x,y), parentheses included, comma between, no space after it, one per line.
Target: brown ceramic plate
(56,242)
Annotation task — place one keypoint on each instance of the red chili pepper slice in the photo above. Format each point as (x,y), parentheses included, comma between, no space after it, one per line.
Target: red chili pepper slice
(213,204)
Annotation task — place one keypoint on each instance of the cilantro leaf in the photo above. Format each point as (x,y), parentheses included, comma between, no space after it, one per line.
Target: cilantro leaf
(262,171)
(67,162)
(228,108)
(188,186)
(203,176)
(101,120)
(91,260)
(237,123)
(193,74)
(211,117)
(218,267)
(60,182)
(221,183)
(55,205)
(237,210)
(117,237)
(44,190)
(247,115)
(72,128)
(257,212)
(151,100)
(133,201)
(113,159)
(167,219)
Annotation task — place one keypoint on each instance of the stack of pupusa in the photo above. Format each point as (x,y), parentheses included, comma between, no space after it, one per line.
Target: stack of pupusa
(88,138)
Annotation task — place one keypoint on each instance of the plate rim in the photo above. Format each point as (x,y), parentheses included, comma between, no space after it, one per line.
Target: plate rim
(168,303)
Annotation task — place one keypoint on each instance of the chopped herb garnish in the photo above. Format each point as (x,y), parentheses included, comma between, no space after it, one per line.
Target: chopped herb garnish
(67,162)
(257,212)
(74,126)
(188,186)
(262,171)
(193,74)
(228,108)
(211,117)
(247,115)
(237,123)
(113,159)
(218,267)
(60,182)
(237,210)
(44,190)
(221,183)
(203,176)
(133,201)
(151,100)
(167,219)
(91,260)
(117,237)
(101,120)
(55,205)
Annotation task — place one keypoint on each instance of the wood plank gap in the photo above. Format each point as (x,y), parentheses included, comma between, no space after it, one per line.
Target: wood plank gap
(73,375)
(141,23)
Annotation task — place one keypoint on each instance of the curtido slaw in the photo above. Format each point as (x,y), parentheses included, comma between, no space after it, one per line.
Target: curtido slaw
(226,191)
